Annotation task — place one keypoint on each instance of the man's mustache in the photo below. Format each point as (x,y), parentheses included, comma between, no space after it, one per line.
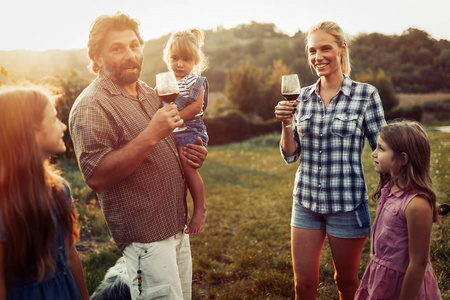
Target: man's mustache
(131,64)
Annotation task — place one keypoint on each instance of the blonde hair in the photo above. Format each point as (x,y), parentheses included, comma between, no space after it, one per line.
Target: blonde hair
(101,26)
(336,31)
(188,43)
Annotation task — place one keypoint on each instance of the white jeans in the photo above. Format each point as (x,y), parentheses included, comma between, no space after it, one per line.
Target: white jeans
(166,268)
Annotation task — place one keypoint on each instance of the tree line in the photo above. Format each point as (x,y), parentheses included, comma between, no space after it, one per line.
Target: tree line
(247,63)
(416,62)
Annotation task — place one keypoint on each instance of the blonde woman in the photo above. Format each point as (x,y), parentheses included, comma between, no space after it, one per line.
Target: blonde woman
(334,116)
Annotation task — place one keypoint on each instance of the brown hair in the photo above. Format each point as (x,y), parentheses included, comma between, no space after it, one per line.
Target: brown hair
(30,189)
(409,137)
(101,26)
(187,43)
(336,31)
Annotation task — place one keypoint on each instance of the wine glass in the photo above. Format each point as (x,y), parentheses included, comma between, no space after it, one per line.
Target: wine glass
(290,89)
(168,90)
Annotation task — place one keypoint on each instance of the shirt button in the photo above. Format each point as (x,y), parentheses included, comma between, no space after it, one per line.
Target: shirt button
(318,185)
(320,134)
(320,168)
(320,151)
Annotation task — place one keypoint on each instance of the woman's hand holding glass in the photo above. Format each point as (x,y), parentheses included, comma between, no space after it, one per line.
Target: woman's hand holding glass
(290,89)
(284,111)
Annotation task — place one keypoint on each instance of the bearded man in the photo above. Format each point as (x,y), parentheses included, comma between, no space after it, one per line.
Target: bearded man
(127,154)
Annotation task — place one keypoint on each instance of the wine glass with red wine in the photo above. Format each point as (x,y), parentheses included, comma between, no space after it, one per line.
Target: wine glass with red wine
(290,89)
(168,90)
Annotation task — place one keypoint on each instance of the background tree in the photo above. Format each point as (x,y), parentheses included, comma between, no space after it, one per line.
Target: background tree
(414,60)
(272,89)
(70,87)
(256,91)
(384,85)
(244,87)
(443,61)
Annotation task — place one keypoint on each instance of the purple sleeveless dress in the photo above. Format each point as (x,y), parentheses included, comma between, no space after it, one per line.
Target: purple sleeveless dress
(389,257)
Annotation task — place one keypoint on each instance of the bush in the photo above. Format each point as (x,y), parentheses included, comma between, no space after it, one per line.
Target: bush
(256,91)
(235,127)
(384,85)
(70,87)
(439,110)
(414,113)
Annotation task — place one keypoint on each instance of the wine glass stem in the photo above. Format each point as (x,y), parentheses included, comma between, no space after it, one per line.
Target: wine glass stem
(294,123)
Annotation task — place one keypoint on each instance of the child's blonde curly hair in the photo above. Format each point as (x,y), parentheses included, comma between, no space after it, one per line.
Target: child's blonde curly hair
(187,43)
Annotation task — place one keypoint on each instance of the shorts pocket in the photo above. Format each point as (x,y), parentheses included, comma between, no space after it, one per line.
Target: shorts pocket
(344,124)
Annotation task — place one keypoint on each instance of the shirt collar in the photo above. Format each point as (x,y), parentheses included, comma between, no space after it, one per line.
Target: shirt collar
(398,193)
(346,86)
(116,89)
(187,77)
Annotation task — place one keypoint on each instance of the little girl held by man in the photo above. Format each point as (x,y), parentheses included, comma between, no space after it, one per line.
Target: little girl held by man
(400,267)
(184,56)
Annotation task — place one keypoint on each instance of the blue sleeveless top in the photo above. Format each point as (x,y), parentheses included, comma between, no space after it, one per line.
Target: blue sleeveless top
(60,286)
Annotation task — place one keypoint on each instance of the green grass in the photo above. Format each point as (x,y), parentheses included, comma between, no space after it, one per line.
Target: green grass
(244,249)
(95,267)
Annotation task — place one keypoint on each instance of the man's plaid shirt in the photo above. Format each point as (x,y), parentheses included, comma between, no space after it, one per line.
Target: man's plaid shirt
(329,143)
(148,205)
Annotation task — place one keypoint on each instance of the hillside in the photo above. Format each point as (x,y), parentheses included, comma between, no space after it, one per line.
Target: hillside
(415,61)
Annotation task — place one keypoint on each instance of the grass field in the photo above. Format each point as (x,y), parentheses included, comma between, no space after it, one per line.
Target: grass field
(244,250)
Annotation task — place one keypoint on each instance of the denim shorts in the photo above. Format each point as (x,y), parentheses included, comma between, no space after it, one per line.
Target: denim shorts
(347,225)
(190,134)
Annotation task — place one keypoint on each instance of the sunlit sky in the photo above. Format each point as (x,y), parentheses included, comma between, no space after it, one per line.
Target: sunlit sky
(61,24)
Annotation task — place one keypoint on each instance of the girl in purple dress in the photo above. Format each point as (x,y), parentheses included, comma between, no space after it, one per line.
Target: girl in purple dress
(400,267)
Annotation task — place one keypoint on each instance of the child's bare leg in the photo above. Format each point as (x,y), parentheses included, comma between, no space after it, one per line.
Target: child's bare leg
(195,185)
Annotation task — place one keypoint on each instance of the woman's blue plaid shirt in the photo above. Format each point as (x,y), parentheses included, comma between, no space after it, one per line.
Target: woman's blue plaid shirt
(329,143)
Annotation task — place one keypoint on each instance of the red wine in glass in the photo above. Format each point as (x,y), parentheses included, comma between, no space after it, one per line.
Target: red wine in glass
(291,97)
(168,90)
(290,89)
(169,98)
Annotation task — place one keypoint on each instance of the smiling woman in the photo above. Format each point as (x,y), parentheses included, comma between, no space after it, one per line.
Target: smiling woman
(326,55)
(333,124)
